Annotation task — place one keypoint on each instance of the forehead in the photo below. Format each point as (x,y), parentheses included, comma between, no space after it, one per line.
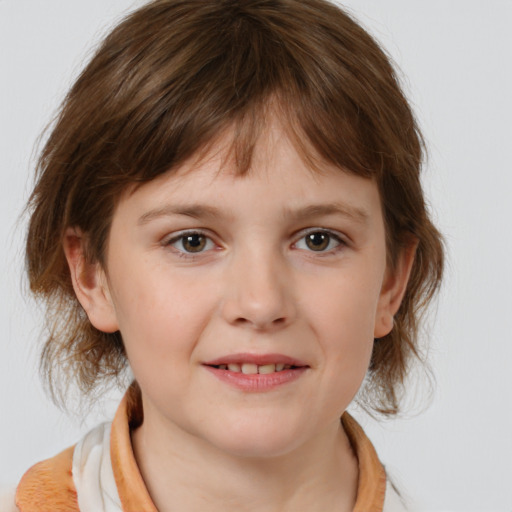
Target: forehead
(279,181)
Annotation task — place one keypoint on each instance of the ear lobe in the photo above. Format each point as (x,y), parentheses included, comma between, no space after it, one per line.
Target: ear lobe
(89,283)
(393,291)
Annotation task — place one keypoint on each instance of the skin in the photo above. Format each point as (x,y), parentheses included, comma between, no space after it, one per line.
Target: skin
(256,287)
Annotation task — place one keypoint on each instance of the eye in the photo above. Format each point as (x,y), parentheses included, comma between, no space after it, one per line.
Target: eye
(319,241)
(192,242)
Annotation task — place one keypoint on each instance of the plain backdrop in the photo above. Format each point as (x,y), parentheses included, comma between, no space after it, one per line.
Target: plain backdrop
(456,57)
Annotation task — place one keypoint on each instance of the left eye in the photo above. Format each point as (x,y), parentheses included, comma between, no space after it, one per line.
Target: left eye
(192,243)
(318,241)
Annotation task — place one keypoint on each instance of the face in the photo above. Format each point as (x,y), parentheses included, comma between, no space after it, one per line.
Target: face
(248,305)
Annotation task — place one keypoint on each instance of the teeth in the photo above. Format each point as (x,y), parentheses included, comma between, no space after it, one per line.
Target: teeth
(249,368)
(252,369)
(267,368)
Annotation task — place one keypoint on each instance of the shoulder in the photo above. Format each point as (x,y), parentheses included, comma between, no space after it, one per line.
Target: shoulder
(54,484)
(49,482)
(7,501)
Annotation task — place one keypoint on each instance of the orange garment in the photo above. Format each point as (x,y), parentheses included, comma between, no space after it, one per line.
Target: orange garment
(49,487)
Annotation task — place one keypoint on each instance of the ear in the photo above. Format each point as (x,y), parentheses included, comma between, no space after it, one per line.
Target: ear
(89,282)
(393,290)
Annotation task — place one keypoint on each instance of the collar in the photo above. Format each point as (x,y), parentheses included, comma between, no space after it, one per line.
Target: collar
(371,488)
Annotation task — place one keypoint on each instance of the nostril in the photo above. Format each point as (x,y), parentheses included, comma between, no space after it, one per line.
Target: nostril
(277,322)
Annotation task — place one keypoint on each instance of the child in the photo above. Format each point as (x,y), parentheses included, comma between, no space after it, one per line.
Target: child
(230,204)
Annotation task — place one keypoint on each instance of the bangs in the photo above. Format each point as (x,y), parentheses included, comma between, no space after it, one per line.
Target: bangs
(176,93)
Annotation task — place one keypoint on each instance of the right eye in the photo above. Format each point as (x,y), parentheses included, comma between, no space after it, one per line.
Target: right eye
(190,243)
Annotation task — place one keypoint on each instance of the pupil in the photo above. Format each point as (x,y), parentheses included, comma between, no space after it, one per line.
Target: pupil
(194,243)
(317,241)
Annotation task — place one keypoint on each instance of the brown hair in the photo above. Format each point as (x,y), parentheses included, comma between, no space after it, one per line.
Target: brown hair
(162,86)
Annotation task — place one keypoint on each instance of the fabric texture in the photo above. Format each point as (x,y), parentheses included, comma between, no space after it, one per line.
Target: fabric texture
(100,473)
(49,486)
(92,472)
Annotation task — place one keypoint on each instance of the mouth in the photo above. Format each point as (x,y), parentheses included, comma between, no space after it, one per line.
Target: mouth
(250,372)
(250,364)
(252,369)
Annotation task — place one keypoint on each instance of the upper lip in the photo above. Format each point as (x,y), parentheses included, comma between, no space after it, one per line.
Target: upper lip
(258,359)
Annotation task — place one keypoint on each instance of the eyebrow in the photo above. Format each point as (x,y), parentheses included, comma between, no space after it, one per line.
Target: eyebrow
(199,211)
(357,214)
(196,211)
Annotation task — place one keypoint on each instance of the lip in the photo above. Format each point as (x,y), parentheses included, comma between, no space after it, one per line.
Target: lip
(259,359)
(256,382)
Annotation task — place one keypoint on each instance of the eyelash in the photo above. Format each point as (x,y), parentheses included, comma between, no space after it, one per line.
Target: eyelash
(332,237)
(180,237)
(182,253)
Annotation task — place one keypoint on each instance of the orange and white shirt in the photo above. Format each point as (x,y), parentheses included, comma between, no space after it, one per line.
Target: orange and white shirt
(100,474)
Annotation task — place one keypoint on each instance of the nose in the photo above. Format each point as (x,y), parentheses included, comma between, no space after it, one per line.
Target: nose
(258,291)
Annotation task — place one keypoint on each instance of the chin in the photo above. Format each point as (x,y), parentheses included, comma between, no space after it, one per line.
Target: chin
(257,440)
(253,449)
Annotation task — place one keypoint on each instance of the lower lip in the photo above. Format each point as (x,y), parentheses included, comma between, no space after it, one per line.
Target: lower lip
(257,382)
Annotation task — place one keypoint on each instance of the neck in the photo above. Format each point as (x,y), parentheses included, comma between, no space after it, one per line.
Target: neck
(183,472)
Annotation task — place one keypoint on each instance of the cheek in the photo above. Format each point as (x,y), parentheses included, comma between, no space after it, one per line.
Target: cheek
(343,317)
(344,306)
(161,316)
